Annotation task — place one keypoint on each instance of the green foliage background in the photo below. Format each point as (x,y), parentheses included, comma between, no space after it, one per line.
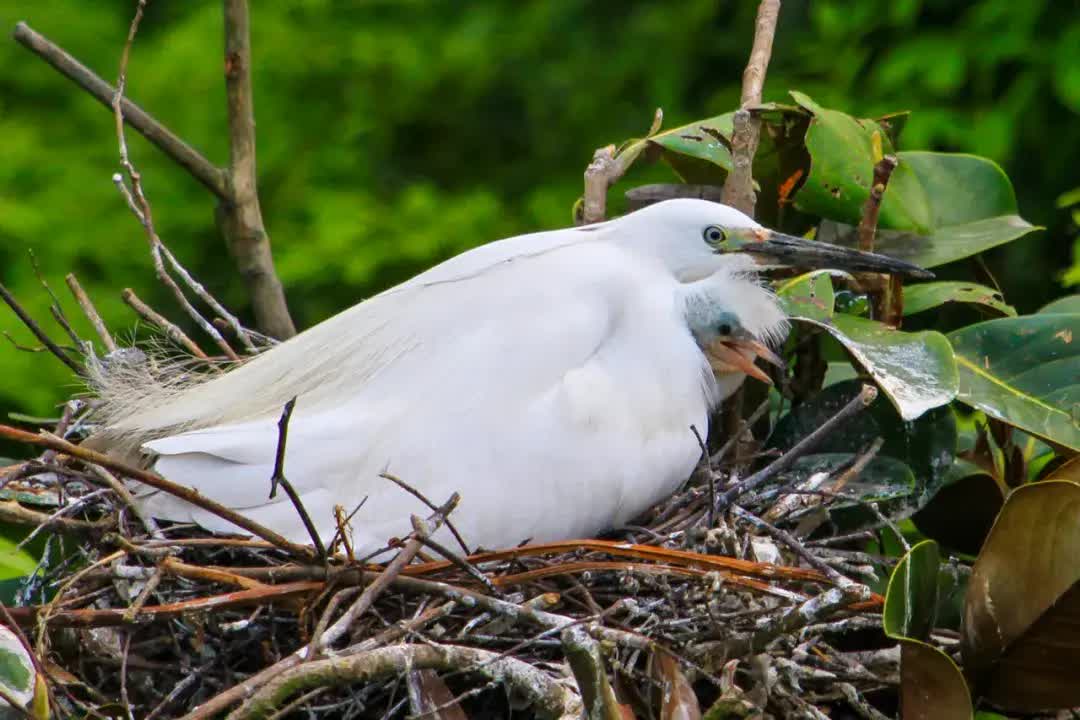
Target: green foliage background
(395,134)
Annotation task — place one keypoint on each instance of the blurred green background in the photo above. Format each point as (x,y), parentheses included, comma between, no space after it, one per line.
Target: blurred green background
(395,134)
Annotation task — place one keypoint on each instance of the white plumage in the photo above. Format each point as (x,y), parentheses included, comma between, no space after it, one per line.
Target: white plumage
(551,379)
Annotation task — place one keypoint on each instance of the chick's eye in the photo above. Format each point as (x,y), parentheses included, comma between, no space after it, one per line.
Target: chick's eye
(714,234)
(724,329)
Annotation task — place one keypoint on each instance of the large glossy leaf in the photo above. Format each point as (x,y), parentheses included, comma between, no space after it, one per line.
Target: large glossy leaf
(926,446)
(927,296)
(1024,371)
(943,245)
(931,686)
(945,206)
(916,370)
(1020,638)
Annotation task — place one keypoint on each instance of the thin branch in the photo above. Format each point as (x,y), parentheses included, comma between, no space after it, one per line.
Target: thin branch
(171,329)
(243,222)
(872,207)
(90,312)
(739,187)
(278,478)
(38,332)
(857,405)
(431,506)
(183,154)
(540,689)
(157,482)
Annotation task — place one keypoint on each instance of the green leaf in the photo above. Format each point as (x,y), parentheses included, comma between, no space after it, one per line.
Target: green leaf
(1024,371)
(808,296)
(1067,304)
(962,511)
(912,598)
(945,206)
(926,296)
(707,141)
(916,370)
(1019,638)
(931,686)
(14,561)
(926,446)
(946,244)
(843,151)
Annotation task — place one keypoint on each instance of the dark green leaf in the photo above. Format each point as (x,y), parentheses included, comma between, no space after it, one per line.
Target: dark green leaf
(1024,371)
(916,370)
(912,598)
(927,296)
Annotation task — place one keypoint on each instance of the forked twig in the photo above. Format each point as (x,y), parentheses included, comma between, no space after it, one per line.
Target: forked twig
(279,478)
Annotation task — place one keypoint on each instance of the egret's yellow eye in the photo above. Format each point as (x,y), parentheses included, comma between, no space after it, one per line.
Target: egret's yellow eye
(714,235)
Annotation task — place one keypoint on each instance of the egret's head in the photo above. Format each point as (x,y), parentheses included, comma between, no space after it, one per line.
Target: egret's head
(734,321)
(695,238)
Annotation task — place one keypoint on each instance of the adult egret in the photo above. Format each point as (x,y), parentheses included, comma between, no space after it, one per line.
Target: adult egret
(551,379)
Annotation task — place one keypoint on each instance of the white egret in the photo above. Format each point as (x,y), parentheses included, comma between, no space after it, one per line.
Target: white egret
(551,379)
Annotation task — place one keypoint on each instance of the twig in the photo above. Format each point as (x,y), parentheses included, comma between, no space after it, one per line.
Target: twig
(148,523)
(90,312)
(183,154)
(792,619)
(171,330)
(278,478)
(464,564)
(857,405)
(794,545)
(749,422)
(12,512)
(157,482)
(549,696)
(739,186)
(105,617)
(38,332)
(387,577)
(872,207)
(137,201)
(244,229)
(431,506)
(885,291)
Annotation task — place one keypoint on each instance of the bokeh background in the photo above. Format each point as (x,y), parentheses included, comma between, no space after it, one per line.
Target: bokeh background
(395,134)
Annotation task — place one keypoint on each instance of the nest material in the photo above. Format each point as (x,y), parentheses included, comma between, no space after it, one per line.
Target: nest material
(714,599)
(169,621)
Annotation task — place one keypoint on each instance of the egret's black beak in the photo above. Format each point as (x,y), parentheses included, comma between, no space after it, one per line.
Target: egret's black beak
(777,249)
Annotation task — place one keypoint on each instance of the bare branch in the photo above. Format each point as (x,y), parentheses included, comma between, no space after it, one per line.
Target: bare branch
(171,330)
(243,222)
(183,154)
(90,312)
(739,188)
(883,170)
(38,332)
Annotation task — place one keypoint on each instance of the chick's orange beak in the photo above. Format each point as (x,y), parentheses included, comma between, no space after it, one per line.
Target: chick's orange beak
(731,355)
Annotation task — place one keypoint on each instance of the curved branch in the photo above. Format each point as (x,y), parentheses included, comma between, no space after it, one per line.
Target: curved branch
(551,698)
(164,139)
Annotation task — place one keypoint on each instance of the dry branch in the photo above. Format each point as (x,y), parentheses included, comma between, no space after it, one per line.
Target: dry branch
(179,151)
(739,187)
(243,224)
